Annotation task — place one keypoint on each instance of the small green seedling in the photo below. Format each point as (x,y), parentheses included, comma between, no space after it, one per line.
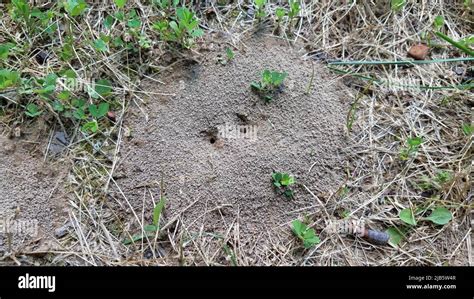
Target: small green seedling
(32,110)
(398,5)
(283,182)
(229,56)
(438,215)
(8,78)
(101,44)
(280,13)
(343,213)
(230,253)
(467,129)
(411,148)
(5,50)
(96,112)
(260,6)
(166,4)
(182,29)
(90,126)
(441,179)
(305,234)
(270,84)
(294,9)
(438,23)
(468,4)
(120,3)
(151,229)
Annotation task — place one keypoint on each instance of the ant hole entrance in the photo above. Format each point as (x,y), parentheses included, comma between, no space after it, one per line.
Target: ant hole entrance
(212,140)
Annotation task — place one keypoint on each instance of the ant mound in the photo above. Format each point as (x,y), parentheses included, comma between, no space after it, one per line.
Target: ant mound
(215,143)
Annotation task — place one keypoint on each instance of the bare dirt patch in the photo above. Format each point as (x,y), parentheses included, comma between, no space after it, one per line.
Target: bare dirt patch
(32,195)
(221,185)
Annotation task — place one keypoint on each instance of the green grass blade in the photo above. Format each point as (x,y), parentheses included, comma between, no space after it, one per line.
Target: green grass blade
(157,212)
(456,44)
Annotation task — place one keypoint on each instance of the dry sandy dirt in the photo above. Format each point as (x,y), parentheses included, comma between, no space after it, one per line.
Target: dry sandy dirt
(32,198)
(220,184)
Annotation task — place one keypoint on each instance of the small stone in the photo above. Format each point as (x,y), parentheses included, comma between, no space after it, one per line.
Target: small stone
(62,231)
(58,143)
(459,70)
(418,52)
(41,56)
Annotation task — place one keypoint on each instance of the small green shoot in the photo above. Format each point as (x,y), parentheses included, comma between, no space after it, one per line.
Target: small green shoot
(438,182)
(294,9)
(151,229)
(157,212)
(270,84)
(90,126)
(442,178)
(467,129)
(101,45)
(120,3)
(343,213)
(438,23)
(260,6)
(32,110)
(166,4)
(468,4)
(8,78)
(411,148)
(230,253)
(5,50)
(305,234)
(397,5)
(79,112)
(283,182)
(229,56)
(280,13)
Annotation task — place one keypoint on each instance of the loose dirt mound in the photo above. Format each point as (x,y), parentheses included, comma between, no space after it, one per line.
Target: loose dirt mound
(222,184)
(31,196)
